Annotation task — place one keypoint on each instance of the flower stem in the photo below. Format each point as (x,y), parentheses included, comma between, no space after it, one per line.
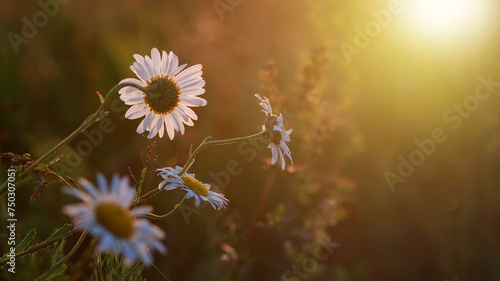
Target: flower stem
(161,273)
(203,144)
(41,245)
(159,217)
(96,116)
(140,184)
(63,260)
(206,143)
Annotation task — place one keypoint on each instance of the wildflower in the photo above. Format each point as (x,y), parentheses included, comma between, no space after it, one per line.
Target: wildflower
(194,188)
(105,213)
(277,135)
(173,89)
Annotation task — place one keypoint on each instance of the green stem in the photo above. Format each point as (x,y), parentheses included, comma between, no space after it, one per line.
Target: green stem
(45,244)
(206,143)
(202,145)
(161,273)
(63,260)
(96,116)
(139,187)
(158,217)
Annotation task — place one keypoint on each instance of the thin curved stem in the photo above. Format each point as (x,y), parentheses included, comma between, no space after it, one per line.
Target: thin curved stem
(42,245)
(96,116)
(159,217)
(203,144)
(206,143)
(161,273)
(63,260)
(45,244)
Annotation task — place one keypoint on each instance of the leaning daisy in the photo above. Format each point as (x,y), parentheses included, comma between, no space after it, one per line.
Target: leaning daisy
(194,188)
(105,213)
(278,136)
(173,90)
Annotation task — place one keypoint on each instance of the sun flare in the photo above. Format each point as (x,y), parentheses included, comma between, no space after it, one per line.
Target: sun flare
(447,17)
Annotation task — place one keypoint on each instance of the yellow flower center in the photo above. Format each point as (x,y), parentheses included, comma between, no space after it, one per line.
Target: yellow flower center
(195,185)
(166,94)
(116,219)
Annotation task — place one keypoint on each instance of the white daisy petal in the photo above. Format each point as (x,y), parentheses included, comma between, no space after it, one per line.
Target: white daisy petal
(142,127)
(136,111)
(193,101)
(264,102)
(188,73)
(280,152)
(139,58)
(173,65)
(192,83)
(179,69)
(148,120)
(188,111)
(177,118)
(148,65)
(77,193)
(156,123)
(140,71)
(89,188)
(164,61)
(155,55)
(161,131)
(196,92)
(170,127)
(272,146)
(105,213)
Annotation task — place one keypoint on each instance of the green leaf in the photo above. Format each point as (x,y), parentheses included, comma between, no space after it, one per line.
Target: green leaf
(63,229)
(53,272)
(56,252)
(26,241)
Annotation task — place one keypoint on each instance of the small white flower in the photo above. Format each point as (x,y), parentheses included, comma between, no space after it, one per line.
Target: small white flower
(105,214)
(278,136)
(175,91)
(194,188)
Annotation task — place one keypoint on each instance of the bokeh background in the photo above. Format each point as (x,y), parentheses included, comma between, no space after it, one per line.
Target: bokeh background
(359,81)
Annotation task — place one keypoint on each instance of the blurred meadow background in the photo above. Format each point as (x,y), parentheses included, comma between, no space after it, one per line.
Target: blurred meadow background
(362,83)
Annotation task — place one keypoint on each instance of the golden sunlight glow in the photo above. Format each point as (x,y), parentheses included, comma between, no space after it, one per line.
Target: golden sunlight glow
(447,17)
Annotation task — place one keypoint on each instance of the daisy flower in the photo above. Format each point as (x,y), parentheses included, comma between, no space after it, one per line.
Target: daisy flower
(105,213)
(194,188)
(173,89)
(278,136)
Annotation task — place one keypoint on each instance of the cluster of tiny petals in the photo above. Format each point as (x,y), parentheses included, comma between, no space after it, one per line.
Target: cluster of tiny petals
(105,213)
(174,91)
(276,132)
(264,102)
(172,179)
